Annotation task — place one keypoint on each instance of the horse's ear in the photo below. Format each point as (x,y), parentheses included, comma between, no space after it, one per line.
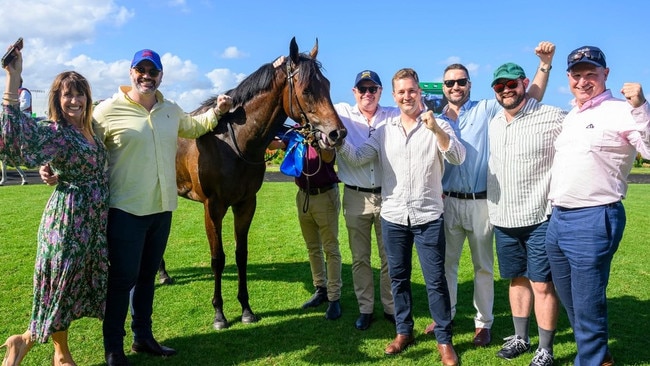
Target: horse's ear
(293,51)
(314,51)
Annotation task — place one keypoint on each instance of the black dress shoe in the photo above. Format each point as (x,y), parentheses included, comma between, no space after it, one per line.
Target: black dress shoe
(319,297)
(116,359)
(363,321)
(389,317)
(152,347)
(333,311)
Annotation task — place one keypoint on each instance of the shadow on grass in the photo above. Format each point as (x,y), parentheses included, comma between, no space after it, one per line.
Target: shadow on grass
(286,328)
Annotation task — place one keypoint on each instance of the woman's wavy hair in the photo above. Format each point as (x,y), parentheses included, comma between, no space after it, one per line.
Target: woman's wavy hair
(70,80)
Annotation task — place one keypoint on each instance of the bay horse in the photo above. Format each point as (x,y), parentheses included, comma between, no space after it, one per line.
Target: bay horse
(225,168)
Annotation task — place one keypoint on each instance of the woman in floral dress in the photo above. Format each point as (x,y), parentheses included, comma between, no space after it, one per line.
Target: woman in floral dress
(70,275)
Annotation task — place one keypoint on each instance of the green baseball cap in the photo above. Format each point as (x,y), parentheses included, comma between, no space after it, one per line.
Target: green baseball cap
(509,71)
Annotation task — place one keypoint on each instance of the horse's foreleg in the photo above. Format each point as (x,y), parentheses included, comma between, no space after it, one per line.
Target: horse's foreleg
(3,166)
(243,215)
(214,214)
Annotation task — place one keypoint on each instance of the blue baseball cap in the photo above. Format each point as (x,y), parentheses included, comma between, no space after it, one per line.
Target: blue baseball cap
(147,54)
(367,75)
(587,54)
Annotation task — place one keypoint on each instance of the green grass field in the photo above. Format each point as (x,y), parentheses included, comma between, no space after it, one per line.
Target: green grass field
(280,281)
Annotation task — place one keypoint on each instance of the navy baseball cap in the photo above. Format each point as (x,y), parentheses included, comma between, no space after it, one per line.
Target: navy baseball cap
(367,75)
(147,54)
(587,54)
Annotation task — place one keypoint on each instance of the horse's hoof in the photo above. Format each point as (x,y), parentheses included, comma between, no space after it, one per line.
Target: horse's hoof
(220,321)
(166,281)
(219,325)
(247,317)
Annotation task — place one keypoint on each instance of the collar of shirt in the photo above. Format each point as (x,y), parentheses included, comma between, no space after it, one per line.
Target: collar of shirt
(464,108)
(593,102)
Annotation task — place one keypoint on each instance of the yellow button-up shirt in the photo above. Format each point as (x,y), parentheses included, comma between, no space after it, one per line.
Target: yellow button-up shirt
(142,149)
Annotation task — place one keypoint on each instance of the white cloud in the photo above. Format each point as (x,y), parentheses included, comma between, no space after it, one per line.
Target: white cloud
(451,60)
(59,20)
(233,52)
(180,4)
(473,68)
(60,28)
(224,79)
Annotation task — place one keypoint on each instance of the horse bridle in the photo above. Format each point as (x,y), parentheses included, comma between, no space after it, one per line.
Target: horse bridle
(308,129)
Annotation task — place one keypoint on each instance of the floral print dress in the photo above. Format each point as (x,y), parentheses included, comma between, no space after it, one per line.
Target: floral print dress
(71,270)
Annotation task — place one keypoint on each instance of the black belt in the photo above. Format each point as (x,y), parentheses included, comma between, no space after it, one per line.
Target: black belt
(467,196)
(361,189)
(314,191)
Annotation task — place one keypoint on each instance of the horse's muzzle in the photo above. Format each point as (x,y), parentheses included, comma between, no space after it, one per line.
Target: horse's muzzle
(332,139)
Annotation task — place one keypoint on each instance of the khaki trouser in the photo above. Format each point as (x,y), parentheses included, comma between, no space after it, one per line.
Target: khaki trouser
(361,211)
(320,229)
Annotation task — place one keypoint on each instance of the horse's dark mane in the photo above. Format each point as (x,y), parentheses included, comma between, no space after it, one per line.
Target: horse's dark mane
(262,80)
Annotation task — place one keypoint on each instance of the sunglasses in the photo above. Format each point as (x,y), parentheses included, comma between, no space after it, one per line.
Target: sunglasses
(510,84)
(363,89)
(591,55)
(461,82)
(370,130)
(151,72)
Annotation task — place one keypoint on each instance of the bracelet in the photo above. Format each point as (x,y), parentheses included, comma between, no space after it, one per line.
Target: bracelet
(542,69)
(15,100)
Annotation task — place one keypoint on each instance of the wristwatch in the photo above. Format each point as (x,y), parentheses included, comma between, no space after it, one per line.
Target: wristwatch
(542,69)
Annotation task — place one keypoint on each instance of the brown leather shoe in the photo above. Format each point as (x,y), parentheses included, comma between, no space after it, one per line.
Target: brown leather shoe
(447,354)
(482,337)
(429,329)
(399,344)
(608,361)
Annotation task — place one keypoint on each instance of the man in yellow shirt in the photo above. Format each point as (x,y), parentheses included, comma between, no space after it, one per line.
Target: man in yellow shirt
(140,128)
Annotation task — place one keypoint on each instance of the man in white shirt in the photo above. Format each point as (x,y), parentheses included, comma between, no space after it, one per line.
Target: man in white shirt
(362,196)
(411,148)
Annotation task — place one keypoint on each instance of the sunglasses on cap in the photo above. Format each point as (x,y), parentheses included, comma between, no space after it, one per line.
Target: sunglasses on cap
(364,89)
(151,72)
(592,55)
(461,82)
(510,84)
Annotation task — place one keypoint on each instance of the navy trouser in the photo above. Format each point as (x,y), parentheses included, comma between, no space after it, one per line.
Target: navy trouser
(429,240)
(581,243)
(135,248)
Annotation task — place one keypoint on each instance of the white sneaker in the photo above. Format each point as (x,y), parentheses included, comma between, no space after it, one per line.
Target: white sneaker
(542,358)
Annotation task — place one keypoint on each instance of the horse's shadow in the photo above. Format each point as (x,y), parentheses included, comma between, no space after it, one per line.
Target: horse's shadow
(305,328)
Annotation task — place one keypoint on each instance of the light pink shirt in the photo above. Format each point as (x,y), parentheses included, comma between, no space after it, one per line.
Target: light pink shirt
(595,151)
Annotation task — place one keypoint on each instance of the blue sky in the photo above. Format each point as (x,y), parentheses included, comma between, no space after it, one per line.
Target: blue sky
(209,46)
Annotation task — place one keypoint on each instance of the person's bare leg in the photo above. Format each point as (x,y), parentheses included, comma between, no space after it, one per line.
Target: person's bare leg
(546,311)
(62,355)
(521,297)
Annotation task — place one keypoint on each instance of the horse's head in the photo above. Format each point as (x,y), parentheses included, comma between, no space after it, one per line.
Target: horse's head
(306,98)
